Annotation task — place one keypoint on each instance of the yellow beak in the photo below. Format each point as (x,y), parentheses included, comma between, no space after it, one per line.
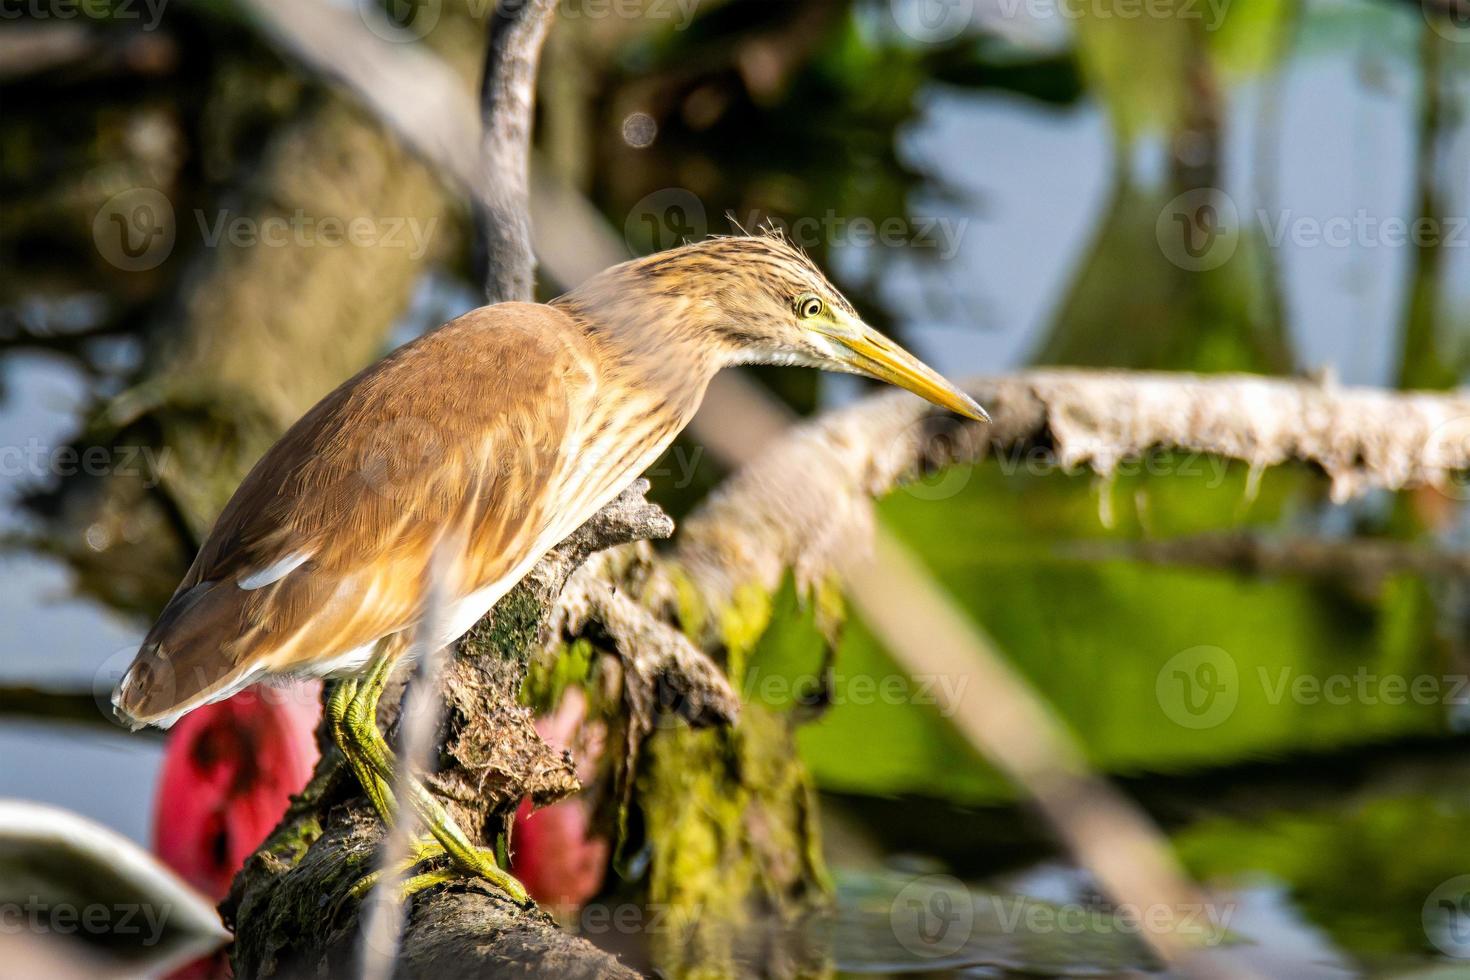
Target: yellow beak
(869,352)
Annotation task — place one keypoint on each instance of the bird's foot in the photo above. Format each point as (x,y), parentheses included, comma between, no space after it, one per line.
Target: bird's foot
(479,862)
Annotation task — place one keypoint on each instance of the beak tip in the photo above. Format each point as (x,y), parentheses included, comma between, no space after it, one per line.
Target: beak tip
(975,411)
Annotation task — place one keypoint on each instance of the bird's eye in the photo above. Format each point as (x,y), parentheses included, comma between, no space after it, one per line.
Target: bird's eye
(809,306)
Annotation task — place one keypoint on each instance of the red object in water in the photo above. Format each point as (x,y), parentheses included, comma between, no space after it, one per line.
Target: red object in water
(553,854)
(230,768)
(228,772)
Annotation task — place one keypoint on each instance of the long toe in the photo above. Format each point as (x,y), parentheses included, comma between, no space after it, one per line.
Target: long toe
(480,864)
(485,866)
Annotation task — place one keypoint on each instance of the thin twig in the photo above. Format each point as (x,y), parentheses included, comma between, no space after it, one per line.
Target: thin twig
(418,730)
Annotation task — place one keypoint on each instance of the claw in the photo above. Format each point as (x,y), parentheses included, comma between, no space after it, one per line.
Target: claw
(352,710)
(480,863)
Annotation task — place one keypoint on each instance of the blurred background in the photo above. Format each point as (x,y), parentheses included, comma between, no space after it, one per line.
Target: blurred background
(199,239)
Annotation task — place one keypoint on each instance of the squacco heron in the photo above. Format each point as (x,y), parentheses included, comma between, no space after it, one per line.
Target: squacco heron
(491,438)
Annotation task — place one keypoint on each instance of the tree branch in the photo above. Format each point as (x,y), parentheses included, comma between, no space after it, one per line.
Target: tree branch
(507,103)
(804,503)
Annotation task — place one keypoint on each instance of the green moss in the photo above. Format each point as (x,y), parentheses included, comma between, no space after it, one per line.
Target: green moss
(693,616)
(742,623)
(736,861)
(291,840)
(730,815)
(512,632)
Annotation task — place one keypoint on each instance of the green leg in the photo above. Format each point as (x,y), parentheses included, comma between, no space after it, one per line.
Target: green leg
(360,731)
(338,709)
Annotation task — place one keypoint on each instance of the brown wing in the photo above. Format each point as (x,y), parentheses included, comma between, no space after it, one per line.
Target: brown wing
(323,547)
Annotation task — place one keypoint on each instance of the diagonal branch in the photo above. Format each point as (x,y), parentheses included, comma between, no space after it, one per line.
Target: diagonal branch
(800,503)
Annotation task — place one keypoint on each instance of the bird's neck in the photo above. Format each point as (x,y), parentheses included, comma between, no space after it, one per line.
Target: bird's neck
(664,344)
(658,329)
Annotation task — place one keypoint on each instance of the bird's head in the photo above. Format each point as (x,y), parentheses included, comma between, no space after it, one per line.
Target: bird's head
(760,300)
